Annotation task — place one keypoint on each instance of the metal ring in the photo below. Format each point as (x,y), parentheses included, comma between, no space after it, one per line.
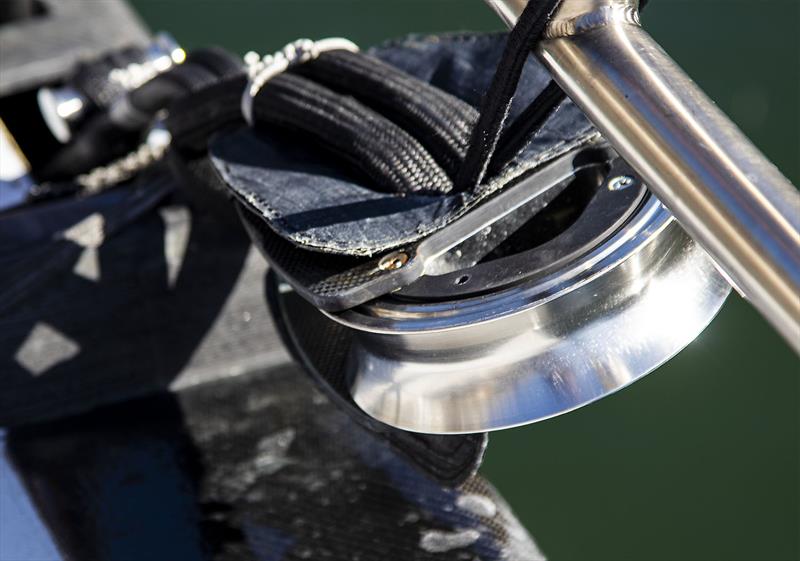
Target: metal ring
(540,348)
(296,52)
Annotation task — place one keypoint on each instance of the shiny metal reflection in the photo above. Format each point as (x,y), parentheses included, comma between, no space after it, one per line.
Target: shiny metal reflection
(63,108)
(538,349)
(730,198)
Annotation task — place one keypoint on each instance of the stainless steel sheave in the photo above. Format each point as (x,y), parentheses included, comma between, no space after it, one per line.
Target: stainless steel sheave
(522,352)
(723,191)
(540,348)
(588,322)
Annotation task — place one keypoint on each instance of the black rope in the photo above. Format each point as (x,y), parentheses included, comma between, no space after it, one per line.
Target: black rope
(405,134)
(219,61)
(441,122)
(517,135)
(192,121)
(105,137)
(165,88)
(497,101)
(389,155)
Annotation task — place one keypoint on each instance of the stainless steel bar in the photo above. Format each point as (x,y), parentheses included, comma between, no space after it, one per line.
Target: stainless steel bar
(722,190)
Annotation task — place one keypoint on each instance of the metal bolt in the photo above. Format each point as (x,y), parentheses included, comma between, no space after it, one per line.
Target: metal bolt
(393,261)
(620,182)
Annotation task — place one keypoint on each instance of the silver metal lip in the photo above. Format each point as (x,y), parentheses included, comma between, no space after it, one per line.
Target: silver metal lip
(540,349)
(388,317)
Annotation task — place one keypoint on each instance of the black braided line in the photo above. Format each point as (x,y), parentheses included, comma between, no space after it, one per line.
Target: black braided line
(164,89)
(520,132)
(387,154)
(441,122)
(497,101)
(219,61)
(517,135)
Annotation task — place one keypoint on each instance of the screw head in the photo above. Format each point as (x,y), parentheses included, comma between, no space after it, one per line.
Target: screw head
(620,182)
(393,261)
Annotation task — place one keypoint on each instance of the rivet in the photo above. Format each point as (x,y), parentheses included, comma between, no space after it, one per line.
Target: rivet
(393,261)
(620,182)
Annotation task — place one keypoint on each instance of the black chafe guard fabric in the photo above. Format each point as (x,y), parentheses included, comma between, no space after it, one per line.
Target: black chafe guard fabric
(319,201)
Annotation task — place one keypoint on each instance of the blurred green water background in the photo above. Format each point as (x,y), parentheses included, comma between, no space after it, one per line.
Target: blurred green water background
(700,459)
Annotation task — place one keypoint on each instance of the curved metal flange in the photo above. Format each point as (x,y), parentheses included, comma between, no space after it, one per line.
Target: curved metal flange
(539,349)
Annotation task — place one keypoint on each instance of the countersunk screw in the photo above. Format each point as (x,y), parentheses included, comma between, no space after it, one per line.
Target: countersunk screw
(393,261)
(620,182)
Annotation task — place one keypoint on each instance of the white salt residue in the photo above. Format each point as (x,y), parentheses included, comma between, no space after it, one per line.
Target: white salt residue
(315,485)
(258,402)
(477,504)
(272,450)
(255,496)
(436,541)
(410,518)
(271,455)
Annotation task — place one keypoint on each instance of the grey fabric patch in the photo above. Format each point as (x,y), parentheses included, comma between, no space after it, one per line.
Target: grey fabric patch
(312,199)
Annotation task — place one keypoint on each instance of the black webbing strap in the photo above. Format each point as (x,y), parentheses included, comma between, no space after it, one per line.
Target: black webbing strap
(497,101)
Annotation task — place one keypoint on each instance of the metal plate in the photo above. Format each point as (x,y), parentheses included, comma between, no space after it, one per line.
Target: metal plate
(338,282)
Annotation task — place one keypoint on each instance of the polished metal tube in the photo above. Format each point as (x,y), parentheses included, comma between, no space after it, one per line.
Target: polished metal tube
(722,190)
